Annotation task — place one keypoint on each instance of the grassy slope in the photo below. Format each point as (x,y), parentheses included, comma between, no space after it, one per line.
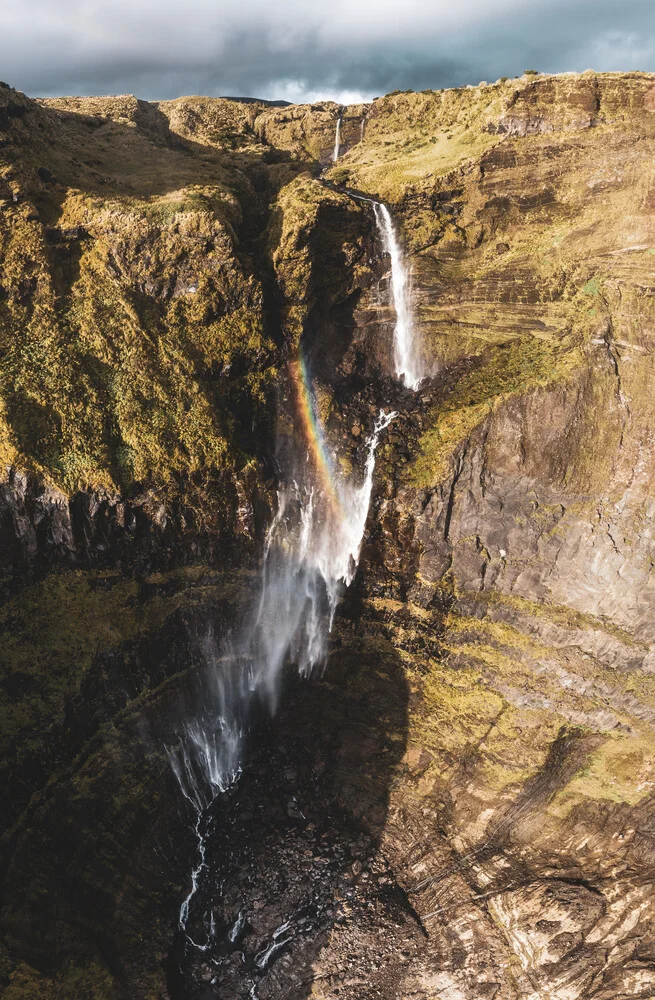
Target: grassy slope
(118,348)
(126,301)
(525,206)
(115,372)
(531,252)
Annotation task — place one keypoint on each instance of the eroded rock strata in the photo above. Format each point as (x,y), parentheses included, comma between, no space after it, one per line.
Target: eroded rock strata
(461,806)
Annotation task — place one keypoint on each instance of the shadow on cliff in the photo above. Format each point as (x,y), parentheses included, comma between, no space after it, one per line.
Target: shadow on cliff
(96,867)
(97,864)
(39,527)
(292,847)
(91,817)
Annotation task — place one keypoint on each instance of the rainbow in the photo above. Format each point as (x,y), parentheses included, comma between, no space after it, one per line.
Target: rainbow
(313,431)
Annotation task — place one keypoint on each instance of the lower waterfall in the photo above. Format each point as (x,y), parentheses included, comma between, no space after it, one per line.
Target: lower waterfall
(311,555)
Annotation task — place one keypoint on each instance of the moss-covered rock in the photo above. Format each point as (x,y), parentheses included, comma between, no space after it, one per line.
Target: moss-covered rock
(159,266)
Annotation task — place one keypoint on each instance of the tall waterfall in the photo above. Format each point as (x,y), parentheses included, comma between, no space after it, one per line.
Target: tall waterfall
(311,555)
(407,361)
(337,140)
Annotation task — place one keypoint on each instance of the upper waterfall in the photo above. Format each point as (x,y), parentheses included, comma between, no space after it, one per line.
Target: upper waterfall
(337,140)
(406,358)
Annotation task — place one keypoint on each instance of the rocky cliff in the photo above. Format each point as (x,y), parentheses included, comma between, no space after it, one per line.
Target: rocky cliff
(475,769)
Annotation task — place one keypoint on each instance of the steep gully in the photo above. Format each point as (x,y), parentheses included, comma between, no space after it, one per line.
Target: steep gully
(311,556)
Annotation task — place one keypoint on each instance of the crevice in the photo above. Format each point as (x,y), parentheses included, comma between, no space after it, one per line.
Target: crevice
(459,466)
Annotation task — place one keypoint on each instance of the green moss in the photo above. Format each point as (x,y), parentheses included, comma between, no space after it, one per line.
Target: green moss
(560,614)
(316,244)
(500,632)
(592,287)
(414,137)
(52,631)
(463,723)
(492,701)
(621,770)
(90,983)
(340,175)
(504,371)
(115,344)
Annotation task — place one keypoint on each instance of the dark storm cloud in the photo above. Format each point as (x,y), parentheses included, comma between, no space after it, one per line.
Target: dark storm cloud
(298,49)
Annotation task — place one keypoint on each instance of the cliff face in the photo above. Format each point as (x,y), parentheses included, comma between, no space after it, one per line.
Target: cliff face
(158,264)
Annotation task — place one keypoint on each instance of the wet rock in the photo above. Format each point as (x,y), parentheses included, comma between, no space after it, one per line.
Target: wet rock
(45,175)
(483,741)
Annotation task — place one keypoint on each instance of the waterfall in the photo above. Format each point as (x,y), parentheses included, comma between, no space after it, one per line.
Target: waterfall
(311,555)
(362,128)
(406,360)
(337,140)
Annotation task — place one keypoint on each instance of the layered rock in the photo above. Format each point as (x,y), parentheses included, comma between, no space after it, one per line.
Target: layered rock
(158,264)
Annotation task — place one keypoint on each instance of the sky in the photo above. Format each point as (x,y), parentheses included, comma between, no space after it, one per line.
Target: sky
(307,50)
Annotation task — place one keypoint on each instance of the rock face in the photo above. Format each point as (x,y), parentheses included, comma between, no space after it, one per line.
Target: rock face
(462,806)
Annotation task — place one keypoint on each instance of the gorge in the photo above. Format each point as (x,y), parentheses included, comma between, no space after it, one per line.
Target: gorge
(328,467)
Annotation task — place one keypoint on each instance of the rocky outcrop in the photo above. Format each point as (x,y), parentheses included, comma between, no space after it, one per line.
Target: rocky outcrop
(42,530)
(461,808)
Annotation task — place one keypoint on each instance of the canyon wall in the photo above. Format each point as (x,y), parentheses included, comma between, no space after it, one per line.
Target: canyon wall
(491,672)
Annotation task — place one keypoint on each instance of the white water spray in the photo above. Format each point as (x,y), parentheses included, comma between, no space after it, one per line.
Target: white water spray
(196,872)
(406,360)
(337,141)
(311,555)
(205,764)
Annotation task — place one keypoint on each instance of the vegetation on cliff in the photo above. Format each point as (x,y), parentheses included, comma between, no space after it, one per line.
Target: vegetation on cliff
(132,324)
(158,265)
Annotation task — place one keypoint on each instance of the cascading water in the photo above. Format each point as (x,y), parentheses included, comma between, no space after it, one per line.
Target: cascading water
(337,141)
(406,359)
(311,555)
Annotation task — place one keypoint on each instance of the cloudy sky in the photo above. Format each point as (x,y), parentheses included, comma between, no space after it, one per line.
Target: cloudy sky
(306,49)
